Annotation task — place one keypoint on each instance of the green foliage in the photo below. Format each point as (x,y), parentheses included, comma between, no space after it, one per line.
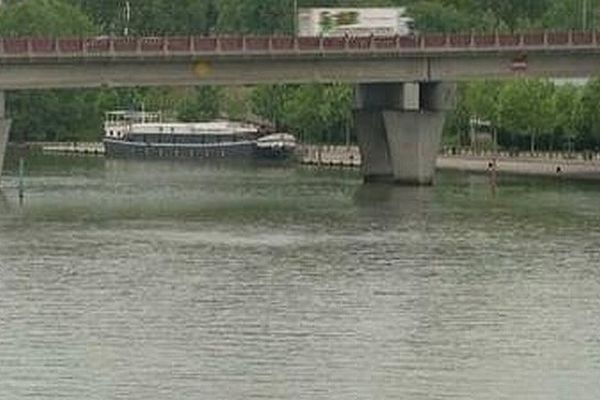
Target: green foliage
(316,112)
(268,102)
(44,18)
(152,17)
(437,17)
(235,103)
(568,111)
(48,115)
(202,105)
(481,100)
(260,17)
(457,123)
(527,106)
(571,14)
(54,115)
(590,112)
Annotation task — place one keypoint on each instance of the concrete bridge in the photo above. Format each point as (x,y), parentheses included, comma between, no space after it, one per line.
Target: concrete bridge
(404,84)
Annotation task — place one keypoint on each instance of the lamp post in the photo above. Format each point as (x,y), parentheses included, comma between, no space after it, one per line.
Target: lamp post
(295,22)
(127,17)
(584,14)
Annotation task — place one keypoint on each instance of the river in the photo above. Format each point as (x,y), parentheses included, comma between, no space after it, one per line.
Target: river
(152,281)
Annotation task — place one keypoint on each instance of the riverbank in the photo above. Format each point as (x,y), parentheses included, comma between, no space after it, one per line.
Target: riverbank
(583,166)
(564,165)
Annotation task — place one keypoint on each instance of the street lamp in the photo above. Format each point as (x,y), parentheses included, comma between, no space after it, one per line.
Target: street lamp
(588,14)
(127,17)
(295,23)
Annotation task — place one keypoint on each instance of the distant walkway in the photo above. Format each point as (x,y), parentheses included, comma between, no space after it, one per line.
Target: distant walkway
(568,165)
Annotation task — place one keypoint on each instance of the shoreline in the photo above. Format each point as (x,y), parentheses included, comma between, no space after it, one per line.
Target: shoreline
(565,166)
(563,169)
(557,165)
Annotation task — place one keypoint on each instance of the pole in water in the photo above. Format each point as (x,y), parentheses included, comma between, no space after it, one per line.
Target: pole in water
(494,176)
(21,180)
(494,163)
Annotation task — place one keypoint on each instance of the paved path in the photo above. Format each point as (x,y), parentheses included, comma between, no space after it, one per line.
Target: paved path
(541,165)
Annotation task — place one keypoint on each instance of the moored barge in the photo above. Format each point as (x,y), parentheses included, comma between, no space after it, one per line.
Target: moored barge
(144,135)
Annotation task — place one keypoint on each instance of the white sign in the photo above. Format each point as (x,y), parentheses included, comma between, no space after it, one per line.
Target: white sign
(354,22)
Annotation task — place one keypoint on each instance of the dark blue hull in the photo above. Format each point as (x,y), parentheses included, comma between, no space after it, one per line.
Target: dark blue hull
(276,154)
(232,150)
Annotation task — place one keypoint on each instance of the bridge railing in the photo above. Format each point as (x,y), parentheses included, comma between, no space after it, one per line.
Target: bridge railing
(225,45)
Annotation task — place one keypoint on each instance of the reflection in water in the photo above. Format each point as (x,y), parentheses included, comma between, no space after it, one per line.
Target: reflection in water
(396,200)
(4,205)
(129,280)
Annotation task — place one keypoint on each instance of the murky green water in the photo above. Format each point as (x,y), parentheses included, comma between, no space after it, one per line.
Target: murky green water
(126,280)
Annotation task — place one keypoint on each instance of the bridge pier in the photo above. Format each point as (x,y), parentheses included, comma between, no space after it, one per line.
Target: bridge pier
(399,129)
(4,130)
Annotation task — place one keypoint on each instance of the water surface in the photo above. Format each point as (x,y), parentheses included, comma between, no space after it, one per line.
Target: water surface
(132,280)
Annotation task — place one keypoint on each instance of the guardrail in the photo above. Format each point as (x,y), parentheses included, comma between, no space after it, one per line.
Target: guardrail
(224,45)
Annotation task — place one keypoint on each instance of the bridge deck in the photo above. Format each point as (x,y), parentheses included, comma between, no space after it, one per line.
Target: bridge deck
(42,63)
(144,47)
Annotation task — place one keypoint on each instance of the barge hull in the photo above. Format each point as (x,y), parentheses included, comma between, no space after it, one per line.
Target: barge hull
(124,149)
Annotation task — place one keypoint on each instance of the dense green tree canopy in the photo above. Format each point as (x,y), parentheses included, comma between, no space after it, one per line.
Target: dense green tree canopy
(527,106)
(590,112)
(277,16)
(44,18)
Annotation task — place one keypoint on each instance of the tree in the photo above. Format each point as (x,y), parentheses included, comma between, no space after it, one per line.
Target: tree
(431,16)
(338,113)
(255,16)
(44,18)
(572,14)
(568,112)
(56,114)
(481,103)
(457,122)
(202,105)
(481,99)
(527,107)
(305,113)
(152,17)
(317,112)
(590,114)
(269,102)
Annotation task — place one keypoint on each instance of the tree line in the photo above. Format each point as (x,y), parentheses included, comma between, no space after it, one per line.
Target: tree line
(524,112)
(530,114)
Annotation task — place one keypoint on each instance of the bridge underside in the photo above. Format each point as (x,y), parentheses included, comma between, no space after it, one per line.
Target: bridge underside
(187,71)
(399,129)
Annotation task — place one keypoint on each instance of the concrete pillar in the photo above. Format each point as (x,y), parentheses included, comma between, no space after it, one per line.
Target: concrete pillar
(399,129)
(4,130)
(373,145)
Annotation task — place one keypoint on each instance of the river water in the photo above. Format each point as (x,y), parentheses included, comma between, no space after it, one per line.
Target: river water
(132,280)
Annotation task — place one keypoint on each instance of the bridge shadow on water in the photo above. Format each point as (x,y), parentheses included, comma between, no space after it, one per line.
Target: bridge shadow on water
(385,200)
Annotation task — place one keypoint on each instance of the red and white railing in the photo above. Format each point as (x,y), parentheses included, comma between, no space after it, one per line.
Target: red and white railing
(240,45)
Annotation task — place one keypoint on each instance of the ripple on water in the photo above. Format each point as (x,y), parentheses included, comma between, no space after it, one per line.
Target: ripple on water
(166,281)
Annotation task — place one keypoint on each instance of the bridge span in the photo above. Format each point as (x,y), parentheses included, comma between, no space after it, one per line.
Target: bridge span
(403,83)
(27,63)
